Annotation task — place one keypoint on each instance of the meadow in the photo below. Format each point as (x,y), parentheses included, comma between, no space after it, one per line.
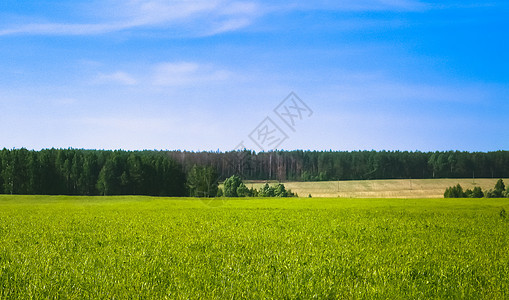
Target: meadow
(64,247)
(388,188)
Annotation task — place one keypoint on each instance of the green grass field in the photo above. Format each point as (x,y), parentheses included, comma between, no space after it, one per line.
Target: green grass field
(392,188)
(152,248)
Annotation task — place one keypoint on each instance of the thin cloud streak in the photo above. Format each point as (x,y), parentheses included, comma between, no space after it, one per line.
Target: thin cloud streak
(165,74)
(199,17)
(117,77)
(218,16)
(64,29)
(351,6)
(203,17)
(187,73)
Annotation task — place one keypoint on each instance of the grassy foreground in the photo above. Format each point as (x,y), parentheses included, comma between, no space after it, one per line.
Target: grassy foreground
(142,247)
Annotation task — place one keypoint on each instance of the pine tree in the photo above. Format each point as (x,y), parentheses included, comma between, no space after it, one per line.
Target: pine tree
(202,182)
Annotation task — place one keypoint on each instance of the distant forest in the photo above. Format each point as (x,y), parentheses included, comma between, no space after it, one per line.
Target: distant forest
(357,165)
(90,172)
(163,173)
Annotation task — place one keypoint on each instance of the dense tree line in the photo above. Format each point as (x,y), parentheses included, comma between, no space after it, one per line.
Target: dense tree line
(202,181)
(90,172)
(170,173)
(356,165)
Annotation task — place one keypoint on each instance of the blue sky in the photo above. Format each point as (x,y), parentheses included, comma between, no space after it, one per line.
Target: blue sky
(202,75)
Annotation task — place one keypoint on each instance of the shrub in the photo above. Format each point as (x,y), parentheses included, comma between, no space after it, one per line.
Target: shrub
(490,194)
(475,193)
(234,187)
(266,191)
(231,185)
(454,192)
(498,192)
(243,191)
(500,186)
(253,192)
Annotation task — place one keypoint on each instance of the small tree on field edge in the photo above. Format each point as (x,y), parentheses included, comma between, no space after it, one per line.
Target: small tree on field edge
(231,186)
(454,192)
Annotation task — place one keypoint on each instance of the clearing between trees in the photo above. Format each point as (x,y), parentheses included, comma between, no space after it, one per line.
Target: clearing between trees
(397,188)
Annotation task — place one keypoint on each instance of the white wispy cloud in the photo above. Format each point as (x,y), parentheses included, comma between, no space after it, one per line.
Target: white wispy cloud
(186,73)
(63,29)
(357,5)
(164,74)
(198,17)
(118,77)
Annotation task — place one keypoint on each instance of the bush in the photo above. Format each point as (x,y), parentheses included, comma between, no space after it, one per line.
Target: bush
(280,191)
(477,192)
(503,214)
(234,187)
(231,185)
(266,191)
(490,194)
(253,192)
(457,192)
(454,192)
(500,186)
(243,191)
(498,192)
